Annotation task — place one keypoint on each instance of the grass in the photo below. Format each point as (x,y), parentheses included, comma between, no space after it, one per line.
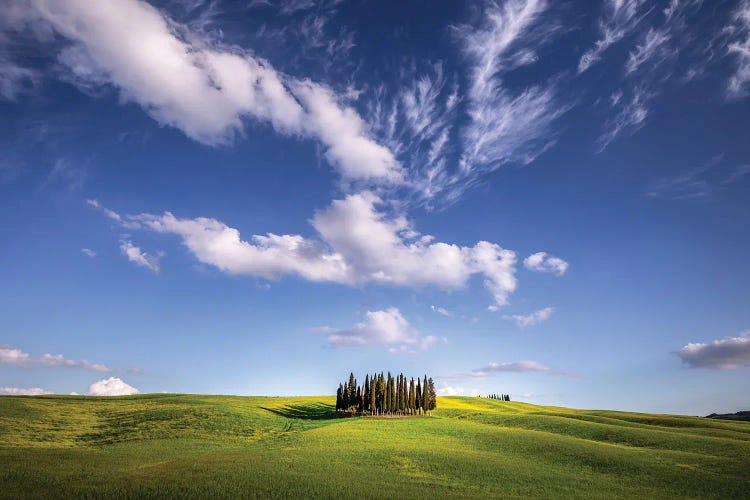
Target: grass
(152,446)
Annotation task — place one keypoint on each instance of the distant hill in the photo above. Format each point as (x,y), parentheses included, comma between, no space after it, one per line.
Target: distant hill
(197,446)
(740,415)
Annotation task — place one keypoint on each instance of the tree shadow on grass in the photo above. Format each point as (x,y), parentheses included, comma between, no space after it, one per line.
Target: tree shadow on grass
(311,411)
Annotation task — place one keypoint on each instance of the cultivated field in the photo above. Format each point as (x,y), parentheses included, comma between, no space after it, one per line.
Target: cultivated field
(217,446)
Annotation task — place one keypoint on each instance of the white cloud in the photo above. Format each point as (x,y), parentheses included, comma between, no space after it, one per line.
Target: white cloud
(514,366)
(20,358)
(184,80)
(109,213)
(619,19)
(739,83)
(505,126)
(650,63)
(726,354)
(631,116)
(543,263)
(88,252)
(381,327)
(531,319)
(14,357)
(14,79)
(358,243)
(448,390)
(139,257)
(654,46)
(15,391)
(441,310)
(111,386)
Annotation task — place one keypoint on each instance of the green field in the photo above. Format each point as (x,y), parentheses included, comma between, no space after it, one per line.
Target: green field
(219,446)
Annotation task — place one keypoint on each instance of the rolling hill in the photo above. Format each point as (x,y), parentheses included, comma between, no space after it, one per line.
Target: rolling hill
(220,446)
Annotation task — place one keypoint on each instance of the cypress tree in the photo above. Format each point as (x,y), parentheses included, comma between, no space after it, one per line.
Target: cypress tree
(366,394)
(432,396)
(373,401)
(392,388)
(418,396)
(412,403)
(425,393)
(402,390)
(398,394)
(388,394)
(405,390)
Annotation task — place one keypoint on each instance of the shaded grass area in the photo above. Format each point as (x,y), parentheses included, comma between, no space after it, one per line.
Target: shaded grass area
(152,446)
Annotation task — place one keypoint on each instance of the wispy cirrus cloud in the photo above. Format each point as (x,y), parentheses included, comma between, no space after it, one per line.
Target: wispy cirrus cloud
(534,318)
(619,18)
(650,63)
(505,125)
(654,47)
(442,311)
(17,357)
(629,116)
(699,182)
(729,353)
(739,47)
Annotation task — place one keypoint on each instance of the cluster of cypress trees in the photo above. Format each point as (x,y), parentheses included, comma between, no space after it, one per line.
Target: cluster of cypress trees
(501,397)
(386,395)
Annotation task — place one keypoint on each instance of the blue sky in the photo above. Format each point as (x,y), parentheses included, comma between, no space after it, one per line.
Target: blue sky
(546,199)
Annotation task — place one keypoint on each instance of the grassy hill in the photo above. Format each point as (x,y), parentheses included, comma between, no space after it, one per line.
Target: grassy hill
(218,446)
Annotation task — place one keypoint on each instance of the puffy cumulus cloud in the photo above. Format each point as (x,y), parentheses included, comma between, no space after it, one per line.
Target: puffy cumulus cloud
(16,391)
(449,390)
(380,327)
(20,358)
(358,243)
(88,252)
(138,256)
(14,356)
(725,354)
(543,263)
(531,319)
(111,386)
(187,81)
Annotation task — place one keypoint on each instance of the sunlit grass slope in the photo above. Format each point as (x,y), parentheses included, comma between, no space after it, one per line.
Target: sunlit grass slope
(217,446)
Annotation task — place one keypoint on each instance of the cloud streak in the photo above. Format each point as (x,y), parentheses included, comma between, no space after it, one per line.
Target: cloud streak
(138,257)
(16,391)
(534,318)
(524,366)
(17,357)
(739,47)
(619,18)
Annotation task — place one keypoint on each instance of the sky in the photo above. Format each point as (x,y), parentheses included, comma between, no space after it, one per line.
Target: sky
(544,199)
